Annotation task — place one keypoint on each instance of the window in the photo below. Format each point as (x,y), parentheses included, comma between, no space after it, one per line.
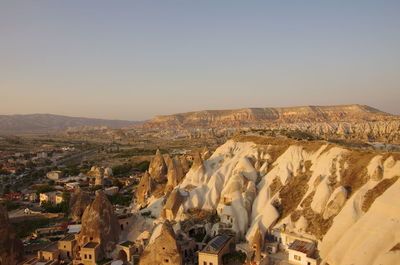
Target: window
(85,256)
(297,257)
(204,263)
(90,256)
(65,246)
(166,260)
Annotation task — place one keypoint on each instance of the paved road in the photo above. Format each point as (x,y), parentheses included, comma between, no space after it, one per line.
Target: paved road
(79,156)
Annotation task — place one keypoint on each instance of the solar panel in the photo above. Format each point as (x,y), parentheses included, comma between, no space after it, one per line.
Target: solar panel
(219,241)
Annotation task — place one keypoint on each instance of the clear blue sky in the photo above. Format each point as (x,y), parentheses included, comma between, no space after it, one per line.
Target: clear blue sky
(135,59)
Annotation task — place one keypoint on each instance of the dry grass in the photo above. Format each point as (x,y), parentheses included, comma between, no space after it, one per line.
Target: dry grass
(198,216)
(307,201)
(317,225)
(309,146)
(295,215)
(377,191)
(275,186)
(355,175)
(276,146)
(291,194)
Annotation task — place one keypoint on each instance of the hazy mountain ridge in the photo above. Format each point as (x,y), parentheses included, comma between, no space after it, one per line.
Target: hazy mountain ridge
(50,123)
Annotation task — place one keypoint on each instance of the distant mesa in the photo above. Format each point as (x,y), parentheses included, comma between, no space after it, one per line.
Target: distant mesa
(250,116)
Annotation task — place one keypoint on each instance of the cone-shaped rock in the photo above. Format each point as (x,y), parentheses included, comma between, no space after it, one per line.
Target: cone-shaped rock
(172,205)
(185,164)
(11,248)
(198,162)
(175,173)
(144,189)
(162,247)
(78,203)
(100,225)
(158,168)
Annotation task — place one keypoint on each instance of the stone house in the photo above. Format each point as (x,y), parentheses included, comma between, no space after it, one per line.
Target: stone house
(66,247)
(302,252)
(215,249)
(54,197)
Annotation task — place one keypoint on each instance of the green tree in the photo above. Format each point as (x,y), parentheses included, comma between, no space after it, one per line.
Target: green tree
(45,188)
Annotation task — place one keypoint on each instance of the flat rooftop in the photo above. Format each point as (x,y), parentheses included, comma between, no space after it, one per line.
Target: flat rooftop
(127,243)
(216,244)
(303,246)
(69,237)
(91,245)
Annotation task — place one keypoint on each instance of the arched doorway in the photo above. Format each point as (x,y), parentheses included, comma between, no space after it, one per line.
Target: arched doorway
(122,255)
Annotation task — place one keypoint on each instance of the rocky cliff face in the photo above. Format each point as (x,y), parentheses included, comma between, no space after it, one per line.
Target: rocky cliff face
(100,225)
(158,168)
(165,173)
(144,189)
(175,173)
(162,248)
(215,118)
(344,122)
(315,189)
(11,248)
(78,203)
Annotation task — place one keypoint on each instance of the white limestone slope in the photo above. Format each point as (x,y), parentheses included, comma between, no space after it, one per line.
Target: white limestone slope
(236,181)
(369,239)
(228,181)
(361,238)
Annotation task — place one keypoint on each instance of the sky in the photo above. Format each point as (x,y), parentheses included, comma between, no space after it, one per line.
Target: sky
(136,59)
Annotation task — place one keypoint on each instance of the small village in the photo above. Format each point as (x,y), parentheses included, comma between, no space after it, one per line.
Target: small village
(126,232)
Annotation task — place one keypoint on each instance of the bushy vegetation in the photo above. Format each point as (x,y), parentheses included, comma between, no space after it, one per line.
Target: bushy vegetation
(94,188)
(26,227)
(120,199)
(137,152)
(45,188)
(62,207)
(236,256)
(71,171)
(142,166)
(122,170)
(300,135)
(148,213)
(10,205)
(125,169)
